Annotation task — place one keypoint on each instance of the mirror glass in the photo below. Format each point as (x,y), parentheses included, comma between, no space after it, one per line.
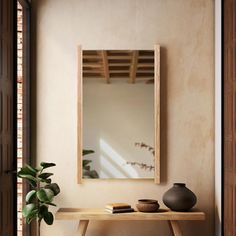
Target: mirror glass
(118,114)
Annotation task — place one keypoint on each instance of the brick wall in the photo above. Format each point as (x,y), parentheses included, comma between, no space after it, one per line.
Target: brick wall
(19,115)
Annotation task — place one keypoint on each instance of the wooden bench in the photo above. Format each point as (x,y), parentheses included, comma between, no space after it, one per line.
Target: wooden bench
(85,215)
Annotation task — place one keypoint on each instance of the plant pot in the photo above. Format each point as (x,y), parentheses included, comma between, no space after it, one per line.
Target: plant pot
(147,205)
(179,198)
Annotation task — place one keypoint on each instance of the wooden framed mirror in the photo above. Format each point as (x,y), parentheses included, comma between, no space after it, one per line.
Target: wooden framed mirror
(118,114)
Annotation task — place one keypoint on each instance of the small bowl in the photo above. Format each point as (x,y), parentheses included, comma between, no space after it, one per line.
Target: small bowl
(147,205)
(147,201)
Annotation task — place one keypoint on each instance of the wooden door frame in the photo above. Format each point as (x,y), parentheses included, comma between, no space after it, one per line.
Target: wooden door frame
(228,90)
(8,115)
(218,118)
(26,6)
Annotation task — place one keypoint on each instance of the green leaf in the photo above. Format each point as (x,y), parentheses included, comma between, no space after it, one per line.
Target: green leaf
(86,162)
(86,152)
(27,170)
(32,215)
(93,174)
(46,164)
(87,168)
(25,176)
(32,183)
(90,174)
(31,168)
(54,187)
(48,181)
(30,196)
(28,209)
(30,178)
(51,204)
(45,175)
(42,211)
(48,218)
(45,195)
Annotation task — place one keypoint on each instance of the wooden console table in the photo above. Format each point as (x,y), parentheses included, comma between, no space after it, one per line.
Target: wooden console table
(85,215)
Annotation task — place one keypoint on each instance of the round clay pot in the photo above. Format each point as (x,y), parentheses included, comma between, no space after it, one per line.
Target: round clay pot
(179,198)
(147,205)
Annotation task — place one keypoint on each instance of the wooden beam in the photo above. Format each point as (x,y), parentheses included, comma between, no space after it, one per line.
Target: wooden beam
(79,117)
(92,71)
(91,56)
(119,71)
(105,66)
(145,65)
(122,57)
(92,65)
(146,57)
(133,67)
(119,64)
(119,51)
(157,105)
(145,71)
(82,228)
(175,228)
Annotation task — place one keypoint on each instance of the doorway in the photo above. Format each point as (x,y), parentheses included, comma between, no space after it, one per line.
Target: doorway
(8,140)
(229,84)
(23,106)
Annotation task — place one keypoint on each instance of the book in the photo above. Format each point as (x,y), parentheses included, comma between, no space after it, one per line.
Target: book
(113,206)
(125,210)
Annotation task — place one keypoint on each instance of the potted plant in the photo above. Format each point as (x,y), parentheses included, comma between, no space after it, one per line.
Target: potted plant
(41,195)
(87,172)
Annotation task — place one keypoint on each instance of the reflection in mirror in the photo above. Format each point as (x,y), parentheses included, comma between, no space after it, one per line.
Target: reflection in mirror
(118,88)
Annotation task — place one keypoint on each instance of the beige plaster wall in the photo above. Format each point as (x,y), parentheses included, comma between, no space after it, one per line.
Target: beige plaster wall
(184,29)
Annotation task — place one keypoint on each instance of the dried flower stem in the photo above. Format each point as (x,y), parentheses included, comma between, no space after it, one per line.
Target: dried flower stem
(141,165)
(144,145)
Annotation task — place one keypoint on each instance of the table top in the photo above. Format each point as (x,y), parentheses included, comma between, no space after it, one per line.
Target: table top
(101,214)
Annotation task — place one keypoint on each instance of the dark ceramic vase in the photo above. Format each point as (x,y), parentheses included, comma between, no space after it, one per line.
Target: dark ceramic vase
(179,198)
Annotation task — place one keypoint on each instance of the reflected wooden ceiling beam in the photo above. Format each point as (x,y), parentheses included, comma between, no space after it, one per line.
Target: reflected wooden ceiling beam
(119,57)
(146,65)
(92,71)
(133,67)
(105,66)
(91,56)
(146,57)
(92,65)
(119,64)
(120,71)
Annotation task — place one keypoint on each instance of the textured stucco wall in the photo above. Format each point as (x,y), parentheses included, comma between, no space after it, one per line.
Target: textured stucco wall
(184,29)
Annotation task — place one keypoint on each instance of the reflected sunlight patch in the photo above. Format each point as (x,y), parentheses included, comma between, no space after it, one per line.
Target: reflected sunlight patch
(113,164)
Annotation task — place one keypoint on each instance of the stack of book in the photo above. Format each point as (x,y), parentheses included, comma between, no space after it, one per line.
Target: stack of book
(118,208)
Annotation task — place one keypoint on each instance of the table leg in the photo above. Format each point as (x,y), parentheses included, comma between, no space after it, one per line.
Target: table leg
(175,228)
(82,227)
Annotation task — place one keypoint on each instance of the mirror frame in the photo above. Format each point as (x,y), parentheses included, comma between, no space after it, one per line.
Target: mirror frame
(156,116)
